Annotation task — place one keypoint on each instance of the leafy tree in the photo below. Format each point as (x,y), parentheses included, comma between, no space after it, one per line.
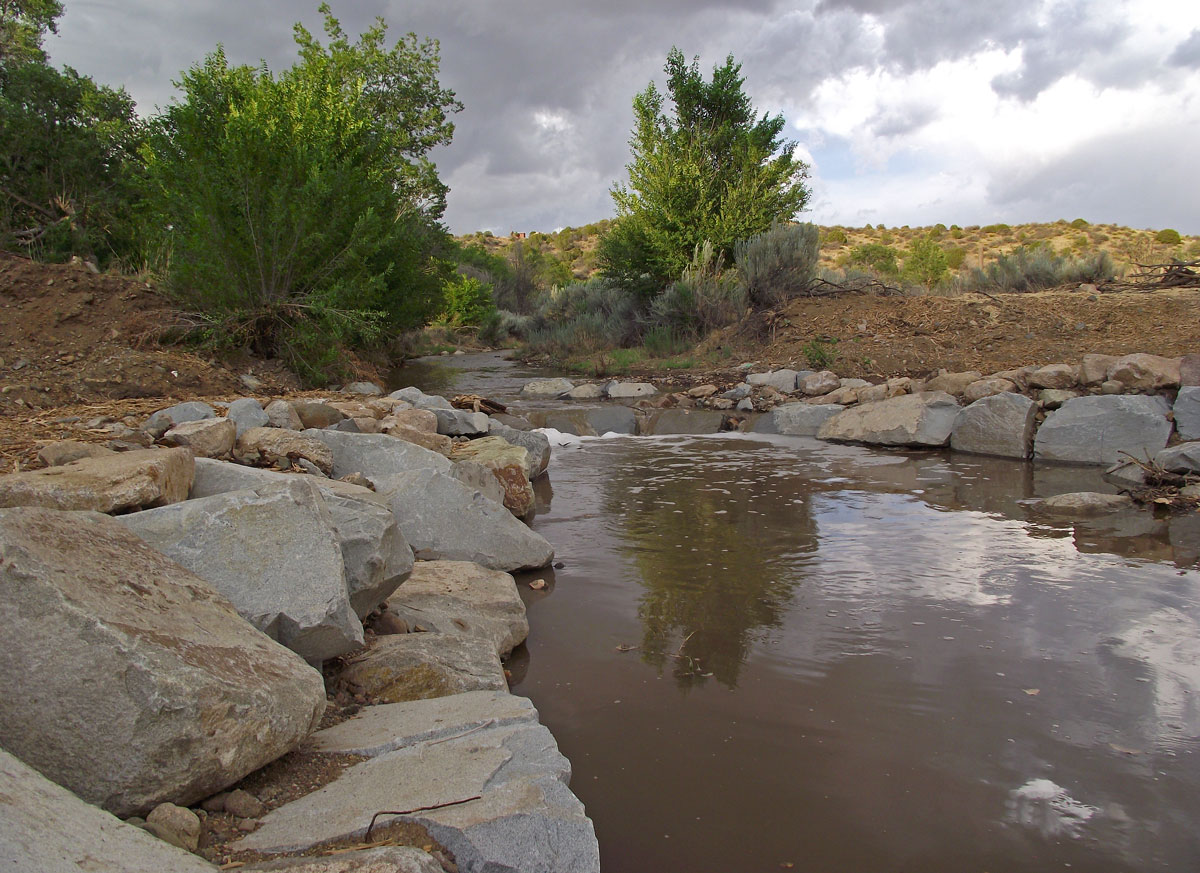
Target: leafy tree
(708,171)
(925,262)
(67,147)
(295,217)
(875,256)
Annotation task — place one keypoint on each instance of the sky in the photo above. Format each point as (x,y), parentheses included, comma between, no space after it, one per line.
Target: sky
(908,112)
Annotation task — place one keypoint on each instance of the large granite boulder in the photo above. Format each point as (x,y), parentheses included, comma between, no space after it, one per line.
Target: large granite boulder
(417,666)
(1054,376)
(988,387)
(207,438)
(924,419)
(802,419)
(245,413)
(280,414)
(547,387)
(376,557)
(443,519)
(438,753)
(47,829)
(1097,430)
(780,380)
(478,478)
(1183,458)
(1143,372)
(273,552)
(1001,424)
(459,598)
(535,443)
(163,420)
(459,422)
(106,483)
(435,441)
(508,463)
(1093,369)
(1187,412)
(317,413)
(953,383)
(275,447)
(816,384)
(374,454)
(629,390)
(126,678)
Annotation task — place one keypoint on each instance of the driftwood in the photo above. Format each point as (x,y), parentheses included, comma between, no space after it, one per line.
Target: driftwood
(475,403)
(1154,277)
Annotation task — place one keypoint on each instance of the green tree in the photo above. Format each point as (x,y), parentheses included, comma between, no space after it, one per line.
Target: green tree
(875,256)
(709,171)
(23,25)
(925,262)
(295,218)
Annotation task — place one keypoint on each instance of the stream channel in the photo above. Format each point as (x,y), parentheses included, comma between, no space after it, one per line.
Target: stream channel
(769,653)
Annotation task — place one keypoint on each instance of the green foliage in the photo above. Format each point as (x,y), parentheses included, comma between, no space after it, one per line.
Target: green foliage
(302,203)
(779,263)
(955,257)
(67,149)
(500,327)
(834,237)
(1168,237)
(877,257)
(820,355)
(705,297)
(925,263)
(468,302)
(708,171)
(583,317)
(663,342)
(997,229)
(1036,269)
(1079,223)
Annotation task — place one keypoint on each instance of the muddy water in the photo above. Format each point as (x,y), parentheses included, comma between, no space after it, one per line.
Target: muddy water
(490,374)
(784,654)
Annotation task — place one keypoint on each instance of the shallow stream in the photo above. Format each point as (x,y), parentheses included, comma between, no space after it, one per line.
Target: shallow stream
(770,653)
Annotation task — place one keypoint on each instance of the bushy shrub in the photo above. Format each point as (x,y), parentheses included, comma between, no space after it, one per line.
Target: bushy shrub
(1039,268)
(583,317)
(501,326)
(779,263)
(925,263)
(1079,224)
(834,237)
(705,297)
(876,257)
(1168,237)
(997,229)
(468,301)
(955,257)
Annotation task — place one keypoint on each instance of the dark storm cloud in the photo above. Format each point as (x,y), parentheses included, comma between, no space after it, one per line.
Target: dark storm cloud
(1187,53)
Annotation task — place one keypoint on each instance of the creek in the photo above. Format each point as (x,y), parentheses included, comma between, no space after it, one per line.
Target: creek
(769,653)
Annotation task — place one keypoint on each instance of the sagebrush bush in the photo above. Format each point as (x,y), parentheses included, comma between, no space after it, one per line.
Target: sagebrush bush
(1034,269)
(501,326)
(779,263)
(583,317)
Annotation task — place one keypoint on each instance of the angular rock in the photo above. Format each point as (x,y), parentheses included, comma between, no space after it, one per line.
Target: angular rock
(478,478)
(317,413)
(375,555)
(416,666)
(816,384)
(1053,398)
(1142,372)
(353,409)
(459,598)
(126,678)
(1094,368)
(1084,503)
(682,421)
(802,419)
(1189,371)
(871,393)
(208,438)
(547,387)
(443,519)
(163,420)
(629,390)
(388,859)
(176,825)
(525,820)
(367,388)
(899,385)
(418,419)
(1187,412)
(459,422)
(243,804)
(953,383)
(46,829)
(1096,430)
(1112,386)
(271,446)
(742,391)
(590,391)
(781,380)
(245,413)
(1183,458)
(1001,424)
(700,392)
(280,414)
(273,552)
(435,442)
(105,483)
(376,455)
(924,419)
(535,443)
(1054,376)
(986,388)
(508,463)
(65,451)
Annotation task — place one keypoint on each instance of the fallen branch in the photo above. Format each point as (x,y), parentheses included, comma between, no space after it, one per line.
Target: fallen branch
(418,809)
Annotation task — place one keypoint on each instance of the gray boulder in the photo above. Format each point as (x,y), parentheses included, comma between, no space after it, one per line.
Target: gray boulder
(375,454)
(629,390)
(537,444)
(117,482)
(47,829)
(480,744)
(273,552)
(1183,458)
(369,389)
(1096,430)
(375,555)
(417,666)
(780,380)
(923,419)
(317,413)
(1083,503)
(280,414)
(547,387)
(245,413)
(208,438)
(1187,412)
(1142,372)
(126,678)
(458,598)
(802,419)
(478,478)
(816,384)
(590,391)
(1001,424)
(459,422)
(443,519)
(272,446)
(163,420)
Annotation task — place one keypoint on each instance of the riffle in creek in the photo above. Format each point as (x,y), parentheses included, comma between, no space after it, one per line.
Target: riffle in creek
(769,652)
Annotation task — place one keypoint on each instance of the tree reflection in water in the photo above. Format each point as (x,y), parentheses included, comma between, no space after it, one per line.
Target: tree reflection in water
(712,587)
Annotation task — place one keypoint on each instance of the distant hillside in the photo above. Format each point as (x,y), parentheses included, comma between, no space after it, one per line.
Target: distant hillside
(574,248)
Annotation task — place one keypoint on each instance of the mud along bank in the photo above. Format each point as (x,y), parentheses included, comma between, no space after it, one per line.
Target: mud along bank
(168,609)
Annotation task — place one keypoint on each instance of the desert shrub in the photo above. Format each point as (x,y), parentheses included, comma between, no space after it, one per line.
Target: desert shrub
(583,317)
(1079,224)
(876,257)
(778,264)
(997,229)
(1168,237)
(955,257)
(468,301)
(704,298)
(663,342)
(1035,269)
(501,326)
(819,354)
(925,263)
(834,237)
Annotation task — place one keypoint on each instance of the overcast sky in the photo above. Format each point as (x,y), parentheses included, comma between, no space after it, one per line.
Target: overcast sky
(909,112)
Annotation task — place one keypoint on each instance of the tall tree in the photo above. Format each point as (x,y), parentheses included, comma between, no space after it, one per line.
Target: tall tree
(23,25)
(710,170)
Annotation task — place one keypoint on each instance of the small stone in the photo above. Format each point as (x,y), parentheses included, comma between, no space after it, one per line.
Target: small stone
(702,391)
(280,414)
(358,479)
(216,803)
(176,825)
(243,804)
(1112,386)
(66,451)
(538,584)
